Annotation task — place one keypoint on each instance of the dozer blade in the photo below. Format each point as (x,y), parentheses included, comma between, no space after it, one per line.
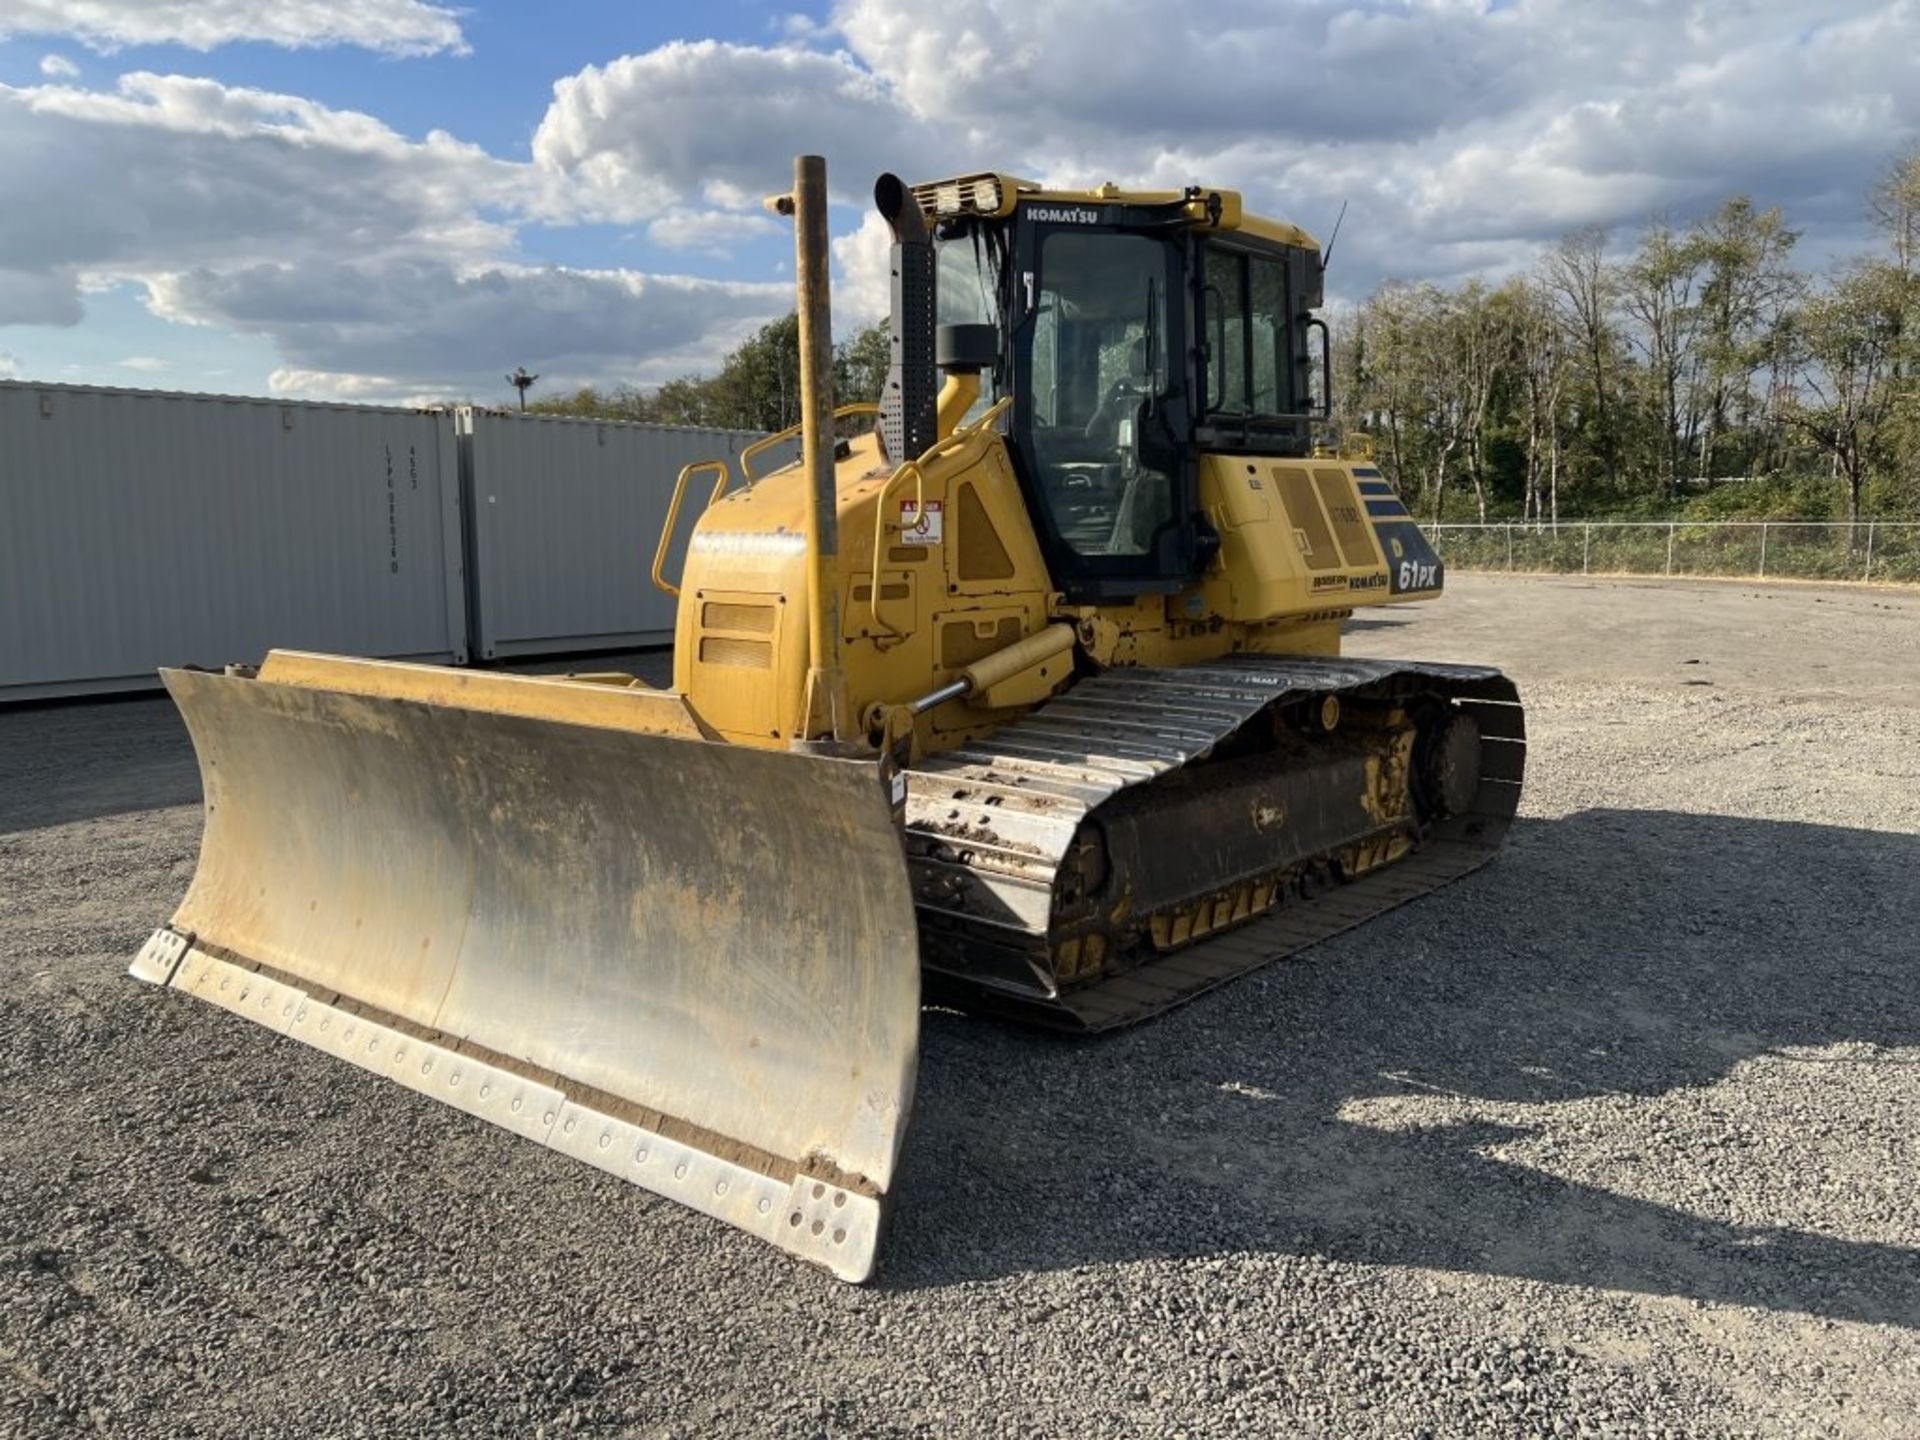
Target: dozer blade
(690,964)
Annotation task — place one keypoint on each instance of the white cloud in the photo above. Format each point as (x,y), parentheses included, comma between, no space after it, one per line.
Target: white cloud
(1082,76)
(234,208)
(165,174)
(798,26)
(58,67)
(1464,135)
(146,364)
(862,291)
(166,171)
(393,27)
(719,124)
(9,366)
(422,324)
(713,232)
(331,385)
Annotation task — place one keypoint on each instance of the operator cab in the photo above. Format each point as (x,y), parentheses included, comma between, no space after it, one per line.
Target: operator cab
(1136,331)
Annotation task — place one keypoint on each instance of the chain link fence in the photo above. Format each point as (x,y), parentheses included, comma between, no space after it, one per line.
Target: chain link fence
(1879,550)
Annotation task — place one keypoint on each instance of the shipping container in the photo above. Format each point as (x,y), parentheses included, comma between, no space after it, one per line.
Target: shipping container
(563,516)
(144,528)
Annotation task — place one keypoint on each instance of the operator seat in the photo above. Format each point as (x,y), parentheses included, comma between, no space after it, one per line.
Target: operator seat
(1121,400)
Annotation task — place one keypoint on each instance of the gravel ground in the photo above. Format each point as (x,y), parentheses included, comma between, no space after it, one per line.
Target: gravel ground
(1613,1137)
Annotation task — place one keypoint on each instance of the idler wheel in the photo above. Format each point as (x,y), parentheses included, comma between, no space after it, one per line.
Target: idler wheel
(1453,764)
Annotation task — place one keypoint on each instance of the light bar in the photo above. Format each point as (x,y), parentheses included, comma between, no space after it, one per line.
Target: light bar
(983,194)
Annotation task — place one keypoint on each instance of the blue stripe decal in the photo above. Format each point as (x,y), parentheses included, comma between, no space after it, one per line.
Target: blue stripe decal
(1366,472)
(1375,487)
(1386,507)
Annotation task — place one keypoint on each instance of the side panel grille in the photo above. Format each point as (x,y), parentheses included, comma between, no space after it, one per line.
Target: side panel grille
(731,650)
(731,615)
(1343,509)
(1308,520)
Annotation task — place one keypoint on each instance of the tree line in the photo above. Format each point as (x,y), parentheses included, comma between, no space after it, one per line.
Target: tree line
(757,386)
(1700,371)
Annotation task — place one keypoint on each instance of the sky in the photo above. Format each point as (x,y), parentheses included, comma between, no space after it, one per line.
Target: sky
(399,201)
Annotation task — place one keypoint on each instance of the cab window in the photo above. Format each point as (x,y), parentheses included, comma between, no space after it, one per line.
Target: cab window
(1245,319)
(966,280)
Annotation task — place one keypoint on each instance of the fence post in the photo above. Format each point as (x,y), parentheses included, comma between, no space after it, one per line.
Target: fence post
(1867,574)
(1586,546)
(1670,529)
(1763,549)
(1509,546)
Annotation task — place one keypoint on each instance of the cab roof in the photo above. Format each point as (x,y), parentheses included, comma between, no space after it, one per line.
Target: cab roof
(995,195)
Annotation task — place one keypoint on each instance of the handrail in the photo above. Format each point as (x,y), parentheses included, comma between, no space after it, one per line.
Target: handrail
(945,443)
(760,446)
(1325,410)
(673,514)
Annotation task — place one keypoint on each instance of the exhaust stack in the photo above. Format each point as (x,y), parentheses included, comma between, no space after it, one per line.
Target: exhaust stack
(908,408)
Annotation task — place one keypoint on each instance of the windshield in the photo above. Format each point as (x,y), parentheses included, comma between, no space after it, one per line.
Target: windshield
(1096,371)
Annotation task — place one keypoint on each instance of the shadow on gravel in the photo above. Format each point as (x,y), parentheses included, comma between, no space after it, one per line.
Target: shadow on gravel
(1609,953)
(62,763)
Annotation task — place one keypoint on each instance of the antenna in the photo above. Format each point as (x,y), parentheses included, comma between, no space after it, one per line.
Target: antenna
(1326,255)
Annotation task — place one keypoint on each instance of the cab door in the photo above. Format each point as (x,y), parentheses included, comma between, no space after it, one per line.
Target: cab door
(1101,419)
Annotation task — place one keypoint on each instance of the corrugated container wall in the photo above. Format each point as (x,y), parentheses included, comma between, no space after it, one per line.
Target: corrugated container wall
(563,517)
(141,528)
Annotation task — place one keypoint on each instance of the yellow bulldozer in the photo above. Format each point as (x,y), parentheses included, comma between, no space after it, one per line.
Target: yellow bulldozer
(1028,700)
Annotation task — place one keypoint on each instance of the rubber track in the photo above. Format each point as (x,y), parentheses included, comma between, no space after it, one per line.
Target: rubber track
(988,825)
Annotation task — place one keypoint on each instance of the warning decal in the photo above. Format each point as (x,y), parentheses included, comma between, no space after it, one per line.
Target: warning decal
(918,529)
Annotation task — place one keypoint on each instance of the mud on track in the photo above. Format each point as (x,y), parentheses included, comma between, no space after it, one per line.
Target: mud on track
(1614,1136)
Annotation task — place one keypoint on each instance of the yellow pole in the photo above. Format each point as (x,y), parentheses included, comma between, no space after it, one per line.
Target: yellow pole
(826,693)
